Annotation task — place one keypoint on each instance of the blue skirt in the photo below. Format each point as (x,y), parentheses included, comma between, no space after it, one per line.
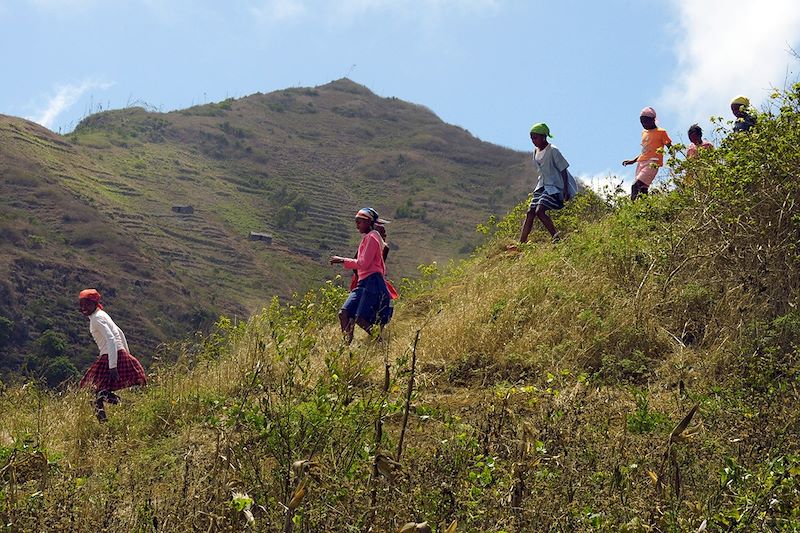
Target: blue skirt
(546,200)
(370,301)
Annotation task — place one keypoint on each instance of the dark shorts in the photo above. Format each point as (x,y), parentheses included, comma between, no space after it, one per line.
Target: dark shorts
(369,301)
(546,200)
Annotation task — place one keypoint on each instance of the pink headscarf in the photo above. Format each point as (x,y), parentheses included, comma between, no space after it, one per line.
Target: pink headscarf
(648,112)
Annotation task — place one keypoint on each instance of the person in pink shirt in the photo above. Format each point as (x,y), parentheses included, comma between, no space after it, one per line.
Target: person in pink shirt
(654,140)
(697,142)
(367,302)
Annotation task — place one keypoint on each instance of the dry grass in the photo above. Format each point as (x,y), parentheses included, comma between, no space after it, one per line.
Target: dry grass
(552,393)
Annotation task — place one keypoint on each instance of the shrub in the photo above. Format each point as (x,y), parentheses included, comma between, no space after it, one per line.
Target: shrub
(58,371)
(743,206)
(51,344)
(408,210)
(286,216)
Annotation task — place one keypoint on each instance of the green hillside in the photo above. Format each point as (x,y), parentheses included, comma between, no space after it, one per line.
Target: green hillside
(95,208)
(641,375)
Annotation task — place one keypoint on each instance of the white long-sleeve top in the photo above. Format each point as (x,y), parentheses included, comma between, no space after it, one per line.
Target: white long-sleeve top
(107,335)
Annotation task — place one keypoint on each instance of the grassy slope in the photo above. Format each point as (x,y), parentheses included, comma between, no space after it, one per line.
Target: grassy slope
(94,208)
(547,385)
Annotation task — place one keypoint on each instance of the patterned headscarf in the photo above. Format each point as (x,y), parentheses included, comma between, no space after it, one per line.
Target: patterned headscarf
(368,213)
(91,295)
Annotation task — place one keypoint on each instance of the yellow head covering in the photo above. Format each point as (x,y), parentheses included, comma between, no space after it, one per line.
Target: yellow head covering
(743,100)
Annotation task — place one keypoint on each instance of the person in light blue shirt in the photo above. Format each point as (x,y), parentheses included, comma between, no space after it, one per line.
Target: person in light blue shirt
(555,183)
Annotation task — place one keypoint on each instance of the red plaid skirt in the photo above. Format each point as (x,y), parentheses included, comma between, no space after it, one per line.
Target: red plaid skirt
(130,373)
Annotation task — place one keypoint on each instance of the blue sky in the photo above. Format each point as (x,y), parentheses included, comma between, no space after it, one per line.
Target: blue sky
(493,67)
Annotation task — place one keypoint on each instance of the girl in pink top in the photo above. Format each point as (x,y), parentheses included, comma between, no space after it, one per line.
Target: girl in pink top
(370,297)
(697,142)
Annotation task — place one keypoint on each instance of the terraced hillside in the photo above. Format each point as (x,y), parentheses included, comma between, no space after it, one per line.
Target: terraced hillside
(95,208)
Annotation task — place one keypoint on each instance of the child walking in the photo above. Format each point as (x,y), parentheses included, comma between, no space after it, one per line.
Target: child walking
(115,368)
(697,142)
(553,187)
(654,140)
(370,298)
(744,121)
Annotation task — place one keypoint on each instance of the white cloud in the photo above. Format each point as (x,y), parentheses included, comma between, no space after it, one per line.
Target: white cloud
(726,48)
(606,182)
(65,97)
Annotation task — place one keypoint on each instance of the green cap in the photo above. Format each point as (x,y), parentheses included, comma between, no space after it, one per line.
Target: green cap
(541,128)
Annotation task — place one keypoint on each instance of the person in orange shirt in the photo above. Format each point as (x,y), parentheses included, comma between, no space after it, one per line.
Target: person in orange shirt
(654,140)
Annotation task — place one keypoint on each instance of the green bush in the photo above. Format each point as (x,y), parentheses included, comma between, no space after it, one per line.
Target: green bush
(286,216)
(743,207)
(51,344)
(58,371)
(408,210)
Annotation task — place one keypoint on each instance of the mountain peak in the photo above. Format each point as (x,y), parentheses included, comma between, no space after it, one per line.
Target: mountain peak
(348,86)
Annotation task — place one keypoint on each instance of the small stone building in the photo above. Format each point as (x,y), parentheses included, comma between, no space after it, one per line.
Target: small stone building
(257,236)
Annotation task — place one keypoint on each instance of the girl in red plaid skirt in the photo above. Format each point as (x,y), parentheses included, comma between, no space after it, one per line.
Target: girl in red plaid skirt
(115,368)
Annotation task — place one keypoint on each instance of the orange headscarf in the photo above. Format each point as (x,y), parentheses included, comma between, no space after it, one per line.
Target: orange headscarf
(92,295)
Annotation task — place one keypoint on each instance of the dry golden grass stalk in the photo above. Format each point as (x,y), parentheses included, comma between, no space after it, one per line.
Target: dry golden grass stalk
(452,527)
(299,494)
(677,433)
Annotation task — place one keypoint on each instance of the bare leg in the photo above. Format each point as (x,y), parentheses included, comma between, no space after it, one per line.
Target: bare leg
(541,213)
(638,189)
(526,227)
(363,324)
(347,324)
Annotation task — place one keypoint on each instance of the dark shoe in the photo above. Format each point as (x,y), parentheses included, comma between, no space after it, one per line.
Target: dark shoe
(99,409)
(112,398)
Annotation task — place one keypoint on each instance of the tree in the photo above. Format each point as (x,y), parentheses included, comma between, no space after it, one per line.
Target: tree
(286,216)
